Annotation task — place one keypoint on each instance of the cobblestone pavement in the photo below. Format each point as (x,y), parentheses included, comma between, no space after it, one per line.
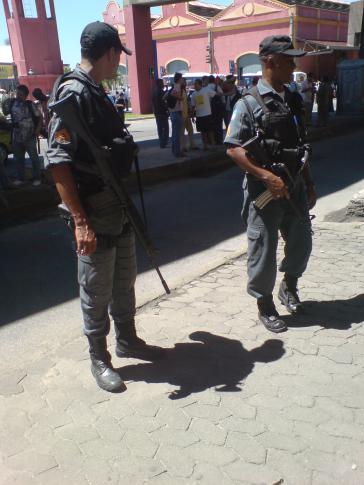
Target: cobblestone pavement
(231,403)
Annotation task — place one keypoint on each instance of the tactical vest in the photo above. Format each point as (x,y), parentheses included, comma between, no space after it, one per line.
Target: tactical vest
(106,126)
(281,125)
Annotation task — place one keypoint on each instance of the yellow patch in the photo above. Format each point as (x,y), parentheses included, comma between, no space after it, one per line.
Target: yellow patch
(63,136)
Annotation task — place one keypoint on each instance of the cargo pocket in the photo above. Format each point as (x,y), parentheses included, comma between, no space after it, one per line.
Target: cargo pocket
(254,243)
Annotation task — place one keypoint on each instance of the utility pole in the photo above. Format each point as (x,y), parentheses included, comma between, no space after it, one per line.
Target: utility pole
(361,50)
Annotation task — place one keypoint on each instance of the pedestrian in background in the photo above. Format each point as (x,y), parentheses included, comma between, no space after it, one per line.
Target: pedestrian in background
(120,105)
(217,109)
(200,101)
(186,121)
(231,96)
(160,111)
(324,98)
(174,103)
(27,125)
(43,105)
(307,94)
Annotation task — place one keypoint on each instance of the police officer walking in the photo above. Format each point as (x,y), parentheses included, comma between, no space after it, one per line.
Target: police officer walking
(276,114)
(104,236)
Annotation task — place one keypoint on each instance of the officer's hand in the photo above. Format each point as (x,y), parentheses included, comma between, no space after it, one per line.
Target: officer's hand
(311,196)
(85,239)
(276,186)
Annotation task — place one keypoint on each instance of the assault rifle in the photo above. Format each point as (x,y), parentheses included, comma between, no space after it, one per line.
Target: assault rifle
(295,156)
(68,110)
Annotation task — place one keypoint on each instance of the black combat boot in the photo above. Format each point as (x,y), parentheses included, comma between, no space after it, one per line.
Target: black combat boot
(269,316)
(288,294)
(128,344)
(102,370)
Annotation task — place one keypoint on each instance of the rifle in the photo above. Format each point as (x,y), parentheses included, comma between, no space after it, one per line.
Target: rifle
(257,152)
(68,110)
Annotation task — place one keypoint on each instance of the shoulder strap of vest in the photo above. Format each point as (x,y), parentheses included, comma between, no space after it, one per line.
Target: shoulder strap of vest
(258,98)
(65,79)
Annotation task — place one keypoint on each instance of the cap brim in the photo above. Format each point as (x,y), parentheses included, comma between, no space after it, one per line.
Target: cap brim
(127,51)
(294,52)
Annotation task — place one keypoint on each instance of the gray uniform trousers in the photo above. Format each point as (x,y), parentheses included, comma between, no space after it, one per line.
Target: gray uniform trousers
(106,280)
(263,226)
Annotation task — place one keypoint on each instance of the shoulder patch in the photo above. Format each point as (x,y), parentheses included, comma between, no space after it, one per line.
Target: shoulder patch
(63,136)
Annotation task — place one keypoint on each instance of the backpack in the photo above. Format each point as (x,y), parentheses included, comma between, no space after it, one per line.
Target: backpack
(171,100)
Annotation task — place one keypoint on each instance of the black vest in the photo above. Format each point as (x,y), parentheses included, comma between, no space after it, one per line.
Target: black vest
(282,125)
(105,124)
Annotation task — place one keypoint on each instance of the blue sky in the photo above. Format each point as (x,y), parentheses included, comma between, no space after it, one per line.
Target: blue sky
(72,16)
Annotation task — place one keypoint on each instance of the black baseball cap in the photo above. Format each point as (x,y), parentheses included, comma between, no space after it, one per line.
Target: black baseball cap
(279,44)
(99,34)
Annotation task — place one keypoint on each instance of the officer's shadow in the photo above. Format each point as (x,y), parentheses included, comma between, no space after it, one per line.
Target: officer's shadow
(336,314)
(211,361)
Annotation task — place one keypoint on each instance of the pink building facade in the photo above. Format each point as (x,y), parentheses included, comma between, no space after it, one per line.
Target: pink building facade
(201,37)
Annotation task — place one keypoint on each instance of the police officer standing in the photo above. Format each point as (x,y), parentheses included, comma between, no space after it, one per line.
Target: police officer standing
(104,237)
(273,111)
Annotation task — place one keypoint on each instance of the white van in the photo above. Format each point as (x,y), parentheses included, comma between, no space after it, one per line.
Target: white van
(189,76)
(247,79)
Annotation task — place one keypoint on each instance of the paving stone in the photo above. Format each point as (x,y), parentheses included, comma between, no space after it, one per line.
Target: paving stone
(50,418)
(250,474)
(345,430)
(104,450)
(276,422)
(248,426)
(216,455)
(11,382)
(176,460)
(140,444)
(247,447)
(31,461)
(179,438)
(316,438)
(99,472)
(76,433)
(139,423)
(56,476)
(207,474)
(42,438)
(67,455)
(212,413)
(208,432)
(288,467)
(173,418)
(313,415)
(108,428)
(292,444)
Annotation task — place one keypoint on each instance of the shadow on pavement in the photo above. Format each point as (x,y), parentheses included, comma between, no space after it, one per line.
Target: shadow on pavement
(212,362)
(337,314)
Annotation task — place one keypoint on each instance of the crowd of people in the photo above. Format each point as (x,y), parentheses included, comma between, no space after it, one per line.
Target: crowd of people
(208,105)
(322,91)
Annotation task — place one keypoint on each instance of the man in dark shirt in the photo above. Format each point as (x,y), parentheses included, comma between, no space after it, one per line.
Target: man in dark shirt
(160,111)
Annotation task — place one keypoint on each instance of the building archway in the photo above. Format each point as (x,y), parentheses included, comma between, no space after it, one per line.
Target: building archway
(248,63)
(177,65)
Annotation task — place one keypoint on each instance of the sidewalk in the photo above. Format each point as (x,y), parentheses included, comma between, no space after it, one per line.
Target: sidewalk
(157,166)
(231,403)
